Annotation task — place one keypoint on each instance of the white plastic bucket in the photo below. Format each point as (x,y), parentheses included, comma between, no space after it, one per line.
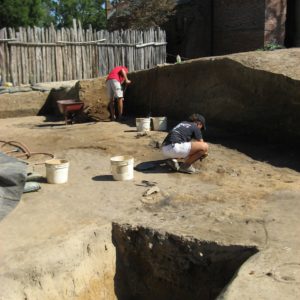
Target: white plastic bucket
(143,124)
(122,167)
(159,123)
(57,170)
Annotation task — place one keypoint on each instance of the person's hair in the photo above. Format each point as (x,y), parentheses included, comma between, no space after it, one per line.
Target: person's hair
(194,118)
(197,118)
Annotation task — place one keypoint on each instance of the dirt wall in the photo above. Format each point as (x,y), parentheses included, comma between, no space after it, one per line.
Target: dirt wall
(42,98)
(234,96)
(93,93)
(152,265)
(255,93)
(21,104)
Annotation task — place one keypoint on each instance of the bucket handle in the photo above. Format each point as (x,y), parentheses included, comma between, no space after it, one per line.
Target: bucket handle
(122,164)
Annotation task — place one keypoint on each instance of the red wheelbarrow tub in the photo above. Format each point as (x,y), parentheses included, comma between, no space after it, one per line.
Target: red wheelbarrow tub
(70,105)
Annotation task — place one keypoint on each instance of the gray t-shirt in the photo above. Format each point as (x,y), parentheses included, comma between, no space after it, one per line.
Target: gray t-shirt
(183,132)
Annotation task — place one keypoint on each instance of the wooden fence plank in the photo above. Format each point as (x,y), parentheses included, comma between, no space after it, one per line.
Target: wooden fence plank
(91,53)
(32,73)
(33,53)
(5,58)
(26,59)
(22,66)
(33,57)
(45,54)
(53,53)
(79,52)
(69,57)
(2,58)
(58,59)
(81,38)
(49,66)
(18,59)
(12,54)
(38,61)
(64,54)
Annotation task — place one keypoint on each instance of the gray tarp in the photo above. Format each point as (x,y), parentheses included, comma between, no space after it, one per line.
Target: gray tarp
(12,181)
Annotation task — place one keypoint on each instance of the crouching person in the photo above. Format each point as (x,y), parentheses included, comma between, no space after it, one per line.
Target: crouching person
(185,141)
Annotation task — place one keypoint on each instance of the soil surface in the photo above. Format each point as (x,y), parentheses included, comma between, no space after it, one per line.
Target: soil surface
(244,194)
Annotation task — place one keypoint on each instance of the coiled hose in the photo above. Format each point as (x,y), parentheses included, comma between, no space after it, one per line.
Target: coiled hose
(21,150)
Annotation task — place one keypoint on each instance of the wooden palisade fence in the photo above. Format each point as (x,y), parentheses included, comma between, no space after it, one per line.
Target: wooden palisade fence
(32,55)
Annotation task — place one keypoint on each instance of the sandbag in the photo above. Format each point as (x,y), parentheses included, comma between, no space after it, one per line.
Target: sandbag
(12,180)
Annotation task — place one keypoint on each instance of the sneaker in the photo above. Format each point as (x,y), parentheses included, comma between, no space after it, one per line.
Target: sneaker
(121,119)
(188,170)
(173,164)
(203,156)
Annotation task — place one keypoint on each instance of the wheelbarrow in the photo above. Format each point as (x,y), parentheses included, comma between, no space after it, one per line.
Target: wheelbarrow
(70,108)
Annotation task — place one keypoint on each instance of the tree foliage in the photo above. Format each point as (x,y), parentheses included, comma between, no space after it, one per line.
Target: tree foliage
(140,14)
(15,13)
(87,11)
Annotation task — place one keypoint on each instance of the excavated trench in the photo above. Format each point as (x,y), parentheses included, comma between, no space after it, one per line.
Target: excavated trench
(151,265)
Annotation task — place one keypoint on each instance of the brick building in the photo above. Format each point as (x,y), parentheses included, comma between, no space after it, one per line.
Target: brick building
(216,27)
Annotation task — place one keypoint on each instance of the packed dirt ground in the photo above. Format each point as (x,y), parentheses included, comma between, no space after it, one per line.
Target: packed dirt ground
(246,193)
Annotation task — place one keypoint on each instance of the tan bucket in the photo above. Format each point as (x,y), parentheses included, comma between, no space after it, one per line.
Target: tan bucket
(57,170)
(159,123)
(122,167)
(143,124)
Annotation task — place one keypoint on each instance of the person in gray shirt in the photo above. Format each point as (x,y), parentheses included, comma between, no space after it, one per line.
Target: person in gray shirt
(185,141)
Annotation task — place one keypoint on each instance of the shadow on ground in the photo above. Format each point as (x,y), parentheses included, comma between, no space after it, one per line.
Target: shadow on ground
(153,166)
(103,178)
(275,154)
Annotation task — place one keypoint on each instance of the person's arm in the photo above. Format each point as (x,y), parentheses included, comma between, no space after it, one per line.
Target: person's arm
(198,134)
(127,81)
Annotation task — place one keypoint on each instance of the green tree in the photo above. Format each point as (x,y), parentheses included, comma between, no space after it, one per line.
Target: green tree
(15,13)
(140,14)
(87,11)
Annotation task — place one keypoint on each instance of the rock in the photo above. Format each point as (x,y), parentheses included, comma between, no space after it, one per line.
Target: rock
(155,144)
(31,187)
(142,134)
(149,183)
(151,191)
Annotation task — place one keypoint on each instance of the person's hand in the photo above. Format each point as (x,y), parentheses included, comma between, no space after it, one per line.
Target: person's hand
(128,81)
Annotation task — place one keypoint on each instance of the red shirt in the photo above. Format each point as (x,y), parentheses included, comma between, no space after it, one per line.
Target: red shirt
(117,74)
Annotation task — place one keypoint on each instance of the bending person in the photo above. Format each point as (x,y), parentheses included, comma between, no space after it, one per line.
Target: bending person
(114,82)
(179,144)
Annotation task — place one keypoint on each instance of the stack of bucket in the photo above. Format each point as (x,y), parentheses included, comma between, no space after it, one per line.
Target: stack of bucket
(122,165)
(159,123)
(144,124)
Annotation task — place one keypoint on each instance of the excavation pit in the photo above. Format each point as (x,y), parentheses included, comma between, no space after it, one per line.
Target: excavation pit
(57,243)
(151,265)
